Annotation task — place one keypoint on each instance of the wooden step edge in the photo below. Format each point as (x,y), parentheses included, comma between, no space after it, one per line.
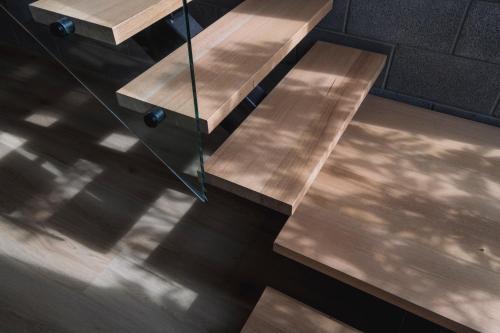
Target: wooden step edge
(173,118)
(226,108)
(130,97)
(84,28)
(249,194)
(367,288)
(216,177)
(276,312)
(45,12)
(133,25)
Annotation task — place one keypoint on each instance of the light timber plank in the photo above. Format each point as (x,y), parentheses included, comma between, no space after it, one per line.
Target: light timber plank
(406,208)
(275,155)
(276,312)
(111,21)
(231,57)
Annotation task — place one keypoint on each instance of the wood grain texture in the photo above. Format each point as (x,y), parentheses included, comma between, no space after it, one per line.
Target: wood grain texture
(275,155)
(111,21)
(116,244)
(406,209)
(276,312)
(231,57)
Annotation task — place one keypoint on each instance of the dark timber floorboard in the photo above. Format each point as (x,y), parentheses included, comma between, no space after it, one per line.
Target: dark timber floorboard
(93,239)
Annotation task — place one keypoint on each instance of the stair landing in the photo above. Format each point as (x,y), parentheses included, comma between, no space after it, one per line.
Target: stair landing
(279,149)
(407,209)
(231,57)
(110,21)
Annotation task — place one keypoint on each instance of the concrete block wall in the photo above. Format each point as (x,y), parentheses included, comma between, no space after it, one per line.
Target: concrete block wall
(443,54)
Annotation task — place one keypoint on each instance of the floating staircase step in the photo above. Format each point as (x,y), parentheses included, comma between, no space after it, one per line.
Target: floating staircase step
(110,21)
(231,57)
(276,312)
(406,208)
(277,152)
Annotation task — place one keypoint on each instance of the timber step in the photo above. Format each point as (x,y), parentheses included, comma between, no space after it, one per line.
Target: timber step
(231,57)
(276,312)
(406,208)
(273,158)
(110,21)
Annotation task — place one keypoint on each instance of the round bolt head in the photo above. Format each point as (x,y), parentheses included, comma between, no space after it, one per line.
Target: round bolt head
(155,117)
(63,27)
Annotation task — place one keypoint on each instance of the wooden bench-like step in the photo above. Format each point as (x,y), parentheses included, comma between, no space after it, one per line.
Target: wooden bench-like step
(231,57)
(277,152)
(110,21)
(407,209)
(276,312)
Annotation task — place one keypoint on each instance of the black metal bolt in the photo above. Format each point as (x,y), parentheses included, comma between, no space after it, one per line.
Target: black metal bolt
(62,28)
(155,117)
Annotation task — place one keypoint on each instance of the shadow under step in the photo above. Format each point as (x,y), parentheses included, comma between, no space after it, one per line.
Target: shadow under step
(398,213)
(110,21)
(275,155)
(276,312)
(231,57)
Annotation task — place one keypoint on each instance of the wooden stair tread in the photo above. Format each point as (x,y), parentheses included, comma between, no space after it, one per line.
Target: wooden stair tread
(110,21)
(277,152)
(276,312)
(231,57)
(406,208)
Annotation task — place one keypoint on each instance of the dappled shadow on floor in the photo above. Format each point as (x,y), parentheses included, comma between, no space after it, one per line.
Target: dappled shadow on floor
(58,145)
(97,236)
(104,69)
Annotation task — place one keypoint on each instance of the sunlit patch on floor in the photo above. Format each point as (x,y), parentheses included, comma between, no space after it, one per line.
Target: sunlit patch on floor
(159,220)
(42,118)
(26,154)
(52,169)
(139,282)
(9,143)
(27,72)
(119,142)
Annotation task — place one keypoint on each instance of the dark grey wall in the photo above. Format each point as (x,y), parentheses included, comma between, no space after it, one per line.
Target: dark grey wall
(443,54)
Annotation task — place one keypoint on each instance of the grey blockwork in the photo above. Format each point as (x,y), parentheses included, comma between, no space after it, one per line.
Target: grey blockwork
(444,78)
(427,24)
(480,36)
(336,19)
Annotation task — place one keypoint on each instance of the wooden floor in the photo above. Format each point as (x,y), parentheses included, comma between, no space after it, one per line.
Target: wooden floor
(231,57)
(99,239)
(408,208)
(110,21)
(276,154)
